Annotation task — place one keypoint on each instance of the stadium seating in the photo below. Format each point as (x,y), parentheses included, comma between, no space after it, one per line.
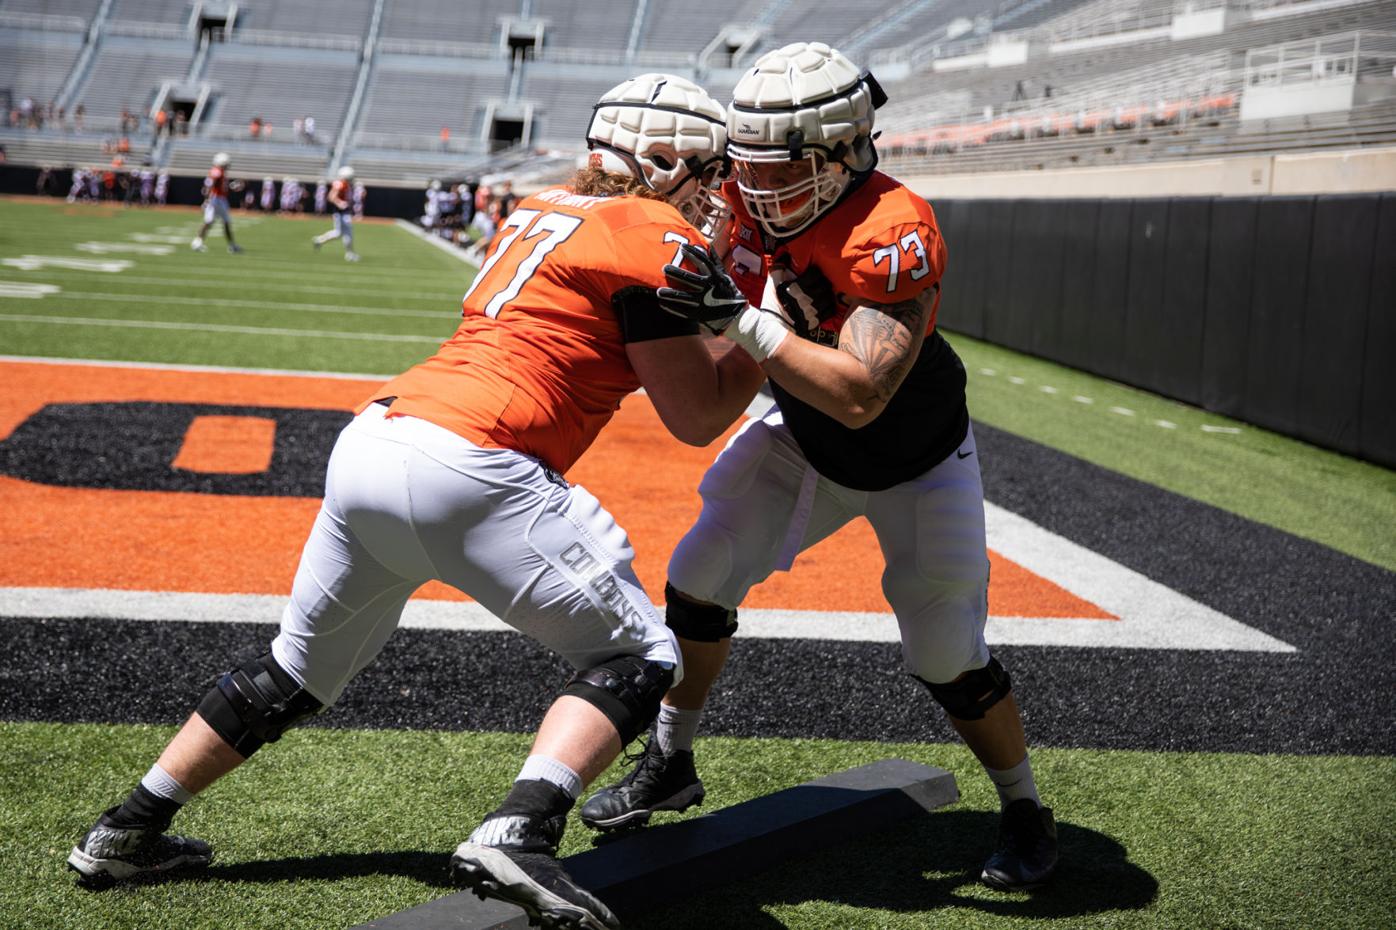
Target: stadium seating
(1103,81)
(36,69)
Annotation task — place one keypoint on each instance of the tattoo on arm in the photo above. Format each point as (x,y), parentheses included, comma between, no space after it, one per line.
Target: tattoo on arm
(885,338)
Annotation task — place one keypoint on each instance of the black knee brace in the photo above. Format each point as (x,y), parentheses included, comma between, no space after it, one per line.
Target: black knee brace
(704,623)
(626,689)
(255,703)
(973,693)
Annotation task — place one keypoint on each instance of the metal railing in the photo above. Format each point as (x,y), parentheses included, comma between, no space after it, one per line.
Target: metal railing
(443,49)
(148,30)
(294,39)
(1327,58)
(42,22)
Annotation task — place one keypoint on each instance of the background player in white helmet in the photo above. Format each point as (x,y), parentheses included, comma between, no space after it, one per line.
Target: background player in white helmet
(216,204)
(453,471)
(342,204)
(844,266)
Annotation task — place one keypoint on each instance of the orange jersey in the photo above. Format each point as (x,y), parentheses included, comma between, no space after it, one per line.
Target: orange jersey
(538,363)
(341,194)
(881,245)
(217,182)
(878,245)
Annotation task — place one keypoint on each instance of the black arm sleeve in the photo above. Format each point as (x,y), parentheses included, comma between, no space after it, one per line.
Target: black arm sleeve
(641,317)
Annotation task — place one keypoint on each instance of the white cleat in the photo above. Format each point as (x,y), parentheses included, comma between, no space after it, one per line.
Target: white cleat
(351,256)
(198,245)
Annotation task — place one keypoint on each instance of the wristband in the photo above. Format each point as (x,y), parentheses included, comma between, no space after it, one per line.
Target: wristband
(757,331)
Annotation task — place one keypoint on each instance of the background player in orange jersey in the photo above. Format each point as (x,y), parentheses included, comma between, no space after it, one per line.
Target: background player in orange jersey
(870,421)
(341,198)
(453,471)
(216,204)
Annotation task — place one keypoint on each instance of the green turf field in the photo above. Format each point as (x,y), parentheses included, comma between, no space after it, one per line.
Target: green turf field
(336,827)
(305,840)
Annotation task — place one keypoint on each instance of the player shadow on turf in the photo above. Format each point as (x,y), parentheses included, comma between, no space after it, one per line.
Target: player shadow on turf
(930,862)
(429,868)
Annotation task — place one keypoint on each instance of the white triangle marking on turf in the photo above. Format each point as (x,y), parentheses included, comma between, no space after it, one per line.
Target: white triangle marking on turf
(39,262)
(140,248)
(25,289)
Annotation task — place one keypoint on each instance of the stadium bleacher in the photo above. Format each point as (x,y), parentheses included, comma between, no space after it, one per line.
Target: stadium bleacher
(1101,81)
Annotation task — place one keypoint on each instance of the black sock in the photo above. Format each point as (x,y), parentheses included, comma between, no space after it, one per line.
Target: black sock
(534,797)
(142,810)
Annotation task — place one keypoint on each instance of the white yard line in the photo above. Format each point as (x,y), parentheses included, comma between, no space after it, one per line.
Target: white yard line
(448,297)
(435,241)
(212,369)
(213,328)
(260,305)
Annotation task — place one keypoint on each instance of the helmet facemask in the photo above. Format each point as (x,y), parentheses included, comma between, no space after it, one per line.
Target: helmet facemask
(697,196)
(785,194)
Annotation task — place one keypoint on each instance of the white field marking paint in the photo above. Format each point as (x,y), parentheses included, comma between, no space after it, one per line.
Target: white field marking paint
(1122,411)
(38,262)
(446,297)
(25,289)
(214,369)
(214,328)
(1165,424)
(988,371)
(261,304)
(1080,399)
(453,251)
(1152,616)
(1048,389)
(1228,430)
(106,248)
(1014,379)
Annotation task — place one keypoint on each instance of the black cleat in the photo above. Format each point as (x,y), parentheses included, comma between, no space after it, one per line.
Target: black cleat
(513,858)
(656,783)
(109,854)
(1026,855)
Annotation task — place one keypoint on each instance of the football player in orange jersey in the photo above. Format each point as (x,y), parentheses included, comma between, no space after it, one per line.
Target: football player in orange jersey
(216,204)
(834,284)
(453,471)
(341,198)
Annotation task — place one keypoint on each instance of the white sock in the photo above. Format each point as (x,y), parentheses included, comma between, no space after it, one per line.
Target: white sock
(159,782)
(1014,784)
(544,768)
(676,728)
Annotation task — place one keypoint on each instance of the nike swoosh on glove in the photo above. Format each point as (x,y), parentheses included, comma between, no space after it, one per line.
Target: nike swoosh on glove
(708,296)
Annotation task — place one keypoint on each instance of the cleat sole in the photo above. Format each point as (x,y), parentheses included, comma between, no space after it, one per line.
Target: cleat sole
(514,886)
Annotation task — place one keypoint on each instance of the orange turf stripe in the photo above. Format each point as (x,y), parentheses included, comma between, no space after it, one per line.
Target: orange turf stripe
(227,445)
(136,540)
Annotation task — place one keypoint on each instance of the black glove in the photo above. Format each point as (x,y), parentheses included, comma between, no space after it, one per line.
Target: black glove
(808,299)
(708,297)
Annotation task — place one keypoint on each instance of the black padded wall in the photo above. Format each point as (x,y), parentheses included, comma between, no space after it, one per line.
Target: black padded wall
(1340,276)
(1226,333)
(1280,311)
(1377,414)
(1077,222)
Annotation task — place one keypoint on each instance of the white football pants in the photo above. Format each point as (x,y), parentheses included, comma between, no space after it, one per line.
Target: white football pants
(407,502)
(763,504)
(216,208)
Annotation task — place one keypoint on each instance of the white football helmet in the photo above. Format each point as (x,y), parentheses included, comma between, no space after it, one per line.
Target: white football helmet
(221,160)
(346,173)
(666,131)
(799,130)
